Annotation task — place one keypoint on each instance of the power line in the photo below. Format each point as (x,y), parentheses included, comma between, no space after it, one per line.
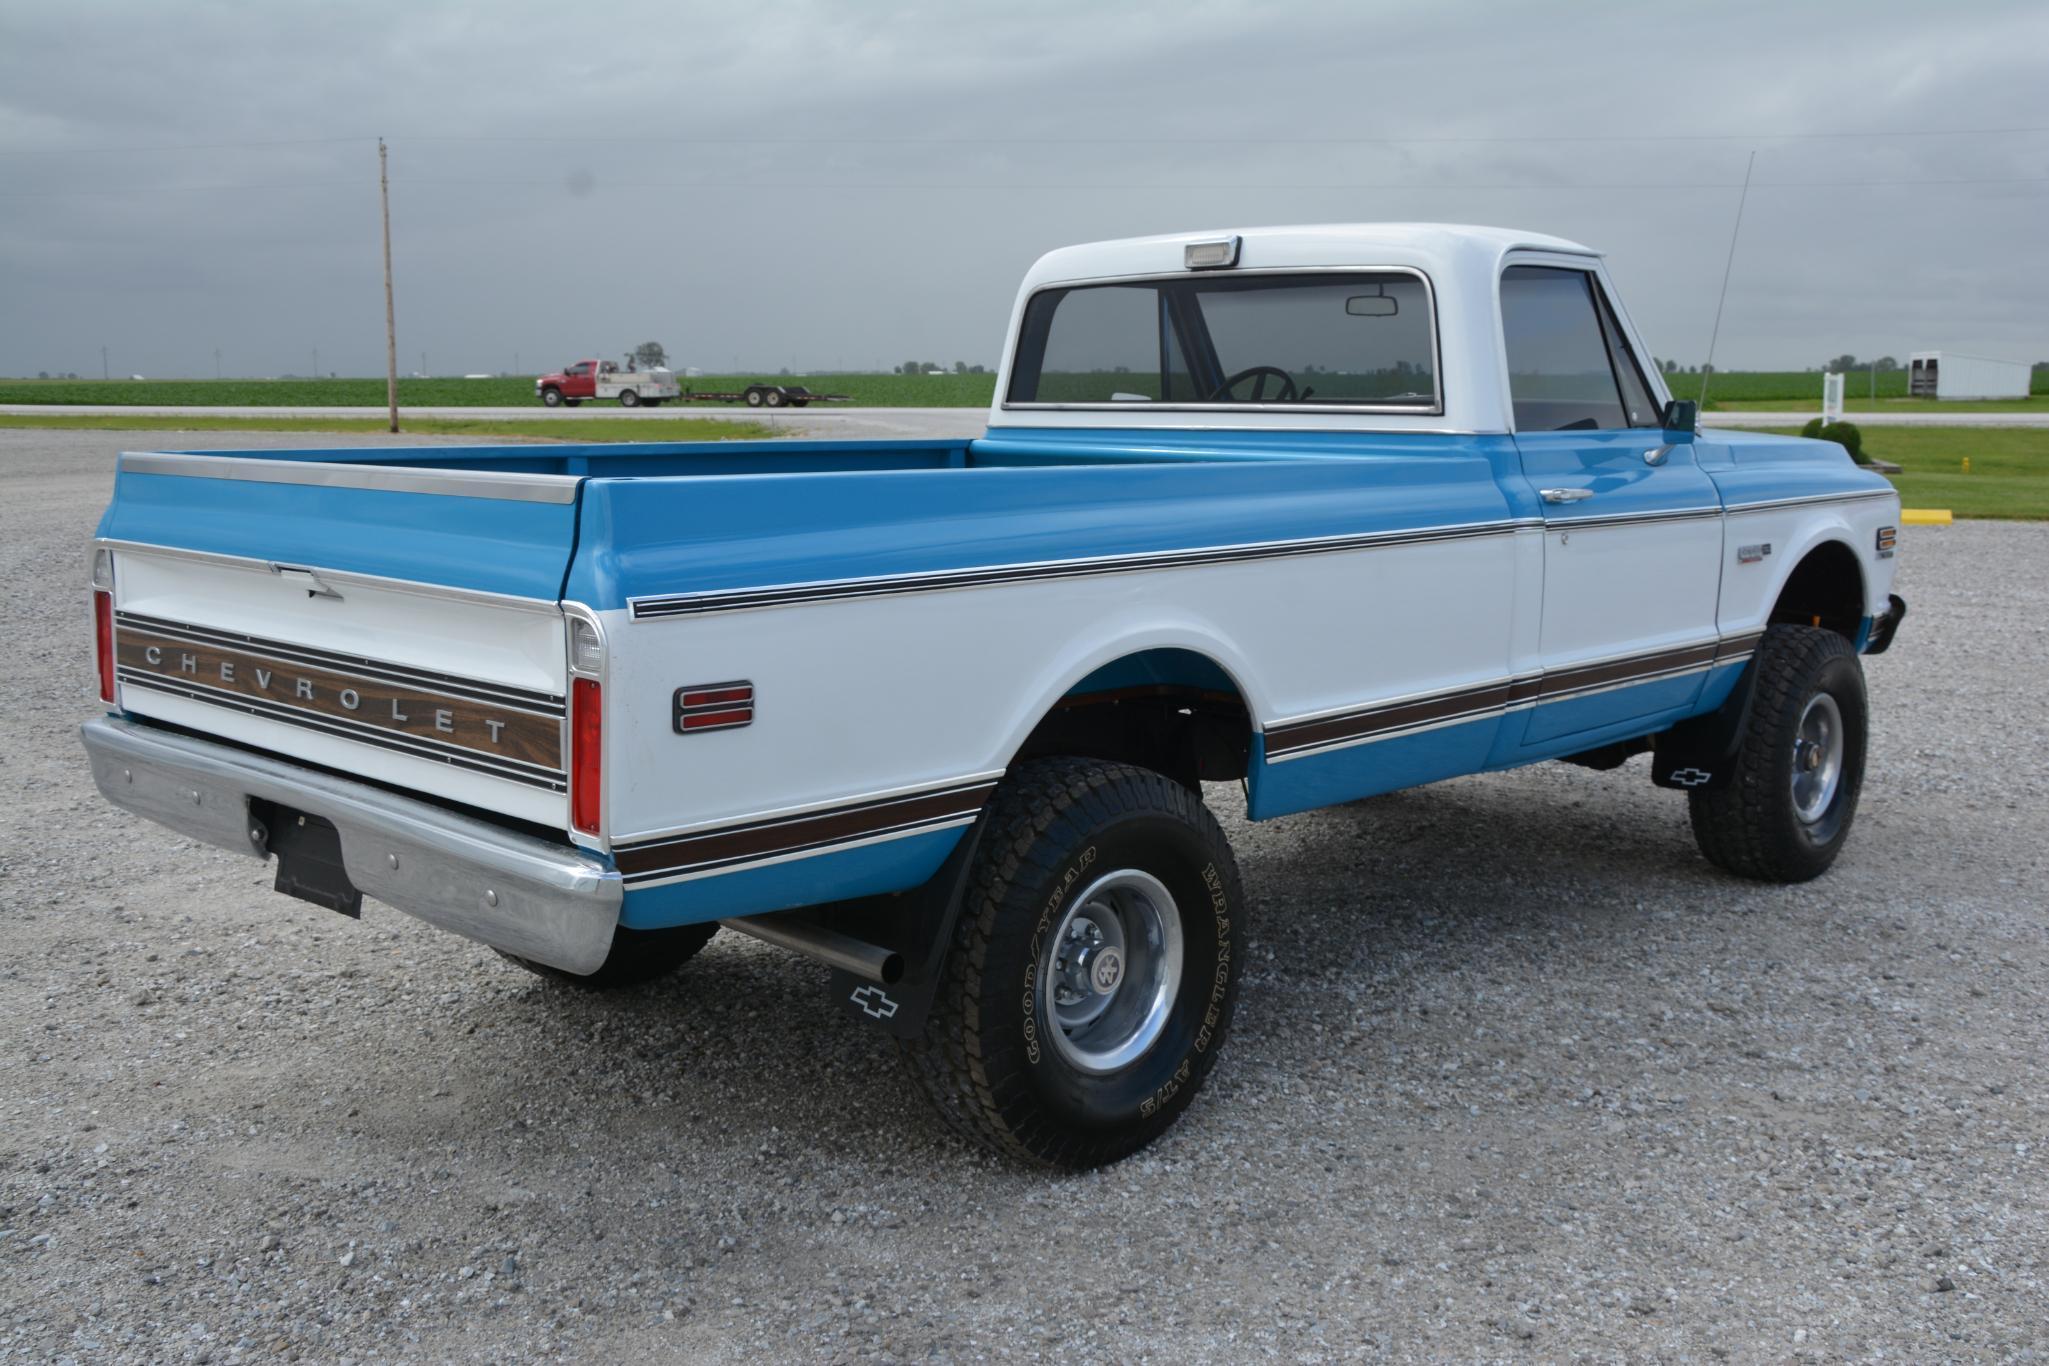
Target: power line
(65,150)
(815,185)
(1143,139)
(1147,139)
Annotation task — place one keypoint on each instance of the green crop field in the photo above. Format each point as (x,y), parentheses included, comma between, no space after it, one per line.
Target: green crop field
(1733,391)
(1737,389)
(875,391)
(2008,479)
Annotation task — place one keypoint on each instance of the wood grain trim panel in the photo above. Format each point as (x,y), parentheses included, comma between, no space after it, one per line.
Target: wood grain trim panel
(420,714)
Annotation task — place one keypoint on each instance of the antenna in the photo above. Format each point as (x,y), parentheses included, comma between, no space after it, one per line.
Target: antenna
(1708,368)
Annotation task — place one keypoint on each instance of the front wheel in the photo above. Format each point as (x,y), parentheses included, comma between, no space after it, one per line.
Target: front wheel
(551,398)
(1093,969)
(1786,808)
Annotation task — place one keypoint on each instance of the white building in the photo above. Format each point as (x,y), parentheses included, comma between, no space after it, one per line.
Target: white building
(1948,374)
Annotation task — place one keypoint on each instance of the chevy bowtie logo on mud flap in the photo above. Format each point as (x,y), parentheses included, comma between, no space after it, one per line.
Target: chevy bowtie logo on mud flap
(874,1002)
(1690,777)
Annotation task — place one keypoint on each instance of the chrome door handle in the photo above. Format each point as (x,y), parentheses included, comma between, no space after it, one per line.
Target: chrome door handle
(1565,495)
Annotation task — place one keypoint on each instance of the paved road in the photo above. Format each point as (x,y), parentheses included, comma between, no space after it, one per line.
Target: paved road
(1516,1076)
(855,423)
(1934,419)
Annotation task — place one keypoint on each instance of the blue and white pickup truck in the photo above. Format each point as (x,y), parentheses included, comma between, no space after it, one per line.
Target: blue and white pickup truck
(1324,511)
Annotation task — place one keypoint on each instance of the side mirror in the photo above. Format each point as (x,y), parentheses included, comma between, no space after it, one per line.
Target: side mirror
(1681,415)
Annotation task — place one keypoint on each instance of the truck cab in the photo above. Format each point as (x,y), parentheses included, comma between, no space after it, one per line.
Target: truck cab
(570,385)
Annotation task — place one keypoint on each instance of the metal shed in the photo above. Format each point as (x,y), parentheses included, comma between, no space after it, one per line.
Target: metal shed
(1951,374)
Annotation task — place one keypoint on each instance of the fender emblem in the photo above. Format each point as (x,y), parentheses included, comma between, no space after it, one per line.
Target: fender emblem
(1690,777)
(874,1002)
(1751,554)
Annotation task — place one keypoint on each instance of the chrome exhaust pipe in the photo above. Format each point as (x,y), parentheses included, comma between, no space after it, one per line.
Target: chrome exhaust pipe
(870,962)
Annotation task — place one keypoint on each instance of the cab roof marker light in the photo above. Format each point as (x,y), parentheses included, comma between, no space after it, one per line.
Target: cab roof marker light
(1220,254)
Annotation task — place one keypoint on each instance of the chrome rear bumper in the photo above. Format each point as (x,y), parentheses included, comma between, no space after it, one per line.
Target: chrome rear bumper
(548,902)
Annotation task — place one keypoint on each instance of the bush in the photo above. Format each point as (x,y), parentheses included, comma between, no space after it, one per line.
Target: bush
(1844,434)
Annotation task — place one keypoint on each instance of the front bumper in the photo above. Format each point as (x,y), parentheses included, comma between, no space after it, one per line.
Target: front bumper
(1884,628)
(548,902)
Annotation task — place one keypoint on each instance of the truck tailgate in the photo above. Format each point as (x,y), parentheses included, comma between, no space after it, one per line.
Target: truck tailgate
(407,632)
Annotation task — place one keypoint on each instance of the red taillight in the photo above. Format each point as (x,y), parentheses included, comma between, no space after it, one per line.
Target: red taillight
(103,640)
(586,754)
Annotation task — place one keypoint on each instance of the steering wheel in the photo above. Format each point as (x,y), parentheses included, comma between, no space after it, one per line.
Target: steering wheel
(1259,373)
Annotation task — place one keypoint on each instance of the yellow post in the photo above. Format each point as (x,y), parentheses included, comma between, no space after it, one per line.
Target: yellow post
(1967,464)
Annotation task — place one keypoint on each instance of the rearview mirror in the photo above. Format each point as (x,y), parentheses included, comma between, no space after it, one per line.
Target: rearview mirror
(1372,306)
(1681,415)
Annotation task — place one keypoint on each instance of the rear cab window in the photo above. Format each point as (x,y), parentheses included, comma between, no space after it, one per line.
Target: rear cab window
(1569,368)
(1353,339)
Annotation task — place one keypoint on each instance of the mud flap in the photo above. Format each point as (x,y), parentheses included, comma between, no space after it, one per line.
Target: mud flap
(919,925)
(1696,755)
(309,858)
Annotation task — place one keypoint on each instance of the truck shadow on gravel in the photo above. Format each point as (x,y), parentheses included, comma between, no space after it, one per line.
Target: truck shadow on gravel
(1527,881)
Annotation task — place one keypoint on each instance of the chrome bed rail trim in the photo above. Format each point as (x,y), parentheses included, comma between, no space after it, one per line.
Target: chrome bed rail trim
(548,902)
(521,488)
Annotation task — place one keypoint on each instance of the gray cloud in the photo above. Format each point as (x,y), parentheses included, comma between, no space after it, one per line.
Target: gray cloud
(820,184)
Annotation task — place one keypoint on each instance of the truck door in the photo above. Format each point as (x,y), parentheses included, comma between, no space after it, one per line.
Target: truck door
(1633,527)
(578,381)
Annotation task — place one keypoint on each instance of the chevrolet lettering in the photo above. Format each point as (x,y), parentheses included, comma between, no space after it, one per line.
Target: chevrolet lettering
(1292,516)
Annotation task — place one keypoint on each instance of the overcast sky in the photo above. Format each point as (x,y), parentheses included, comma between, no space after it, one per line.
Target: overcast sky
(832,185)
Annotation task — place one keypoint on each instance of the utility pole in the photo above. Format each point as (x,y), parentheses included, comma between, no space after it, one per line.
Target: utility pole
(103,363)
(390,317)
(216,362)
(423,365)
(316,362)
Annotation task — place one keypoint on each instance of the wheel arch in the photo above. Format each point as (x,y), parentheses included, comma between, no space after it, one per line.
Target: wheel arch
(1826,588)
(1171,705)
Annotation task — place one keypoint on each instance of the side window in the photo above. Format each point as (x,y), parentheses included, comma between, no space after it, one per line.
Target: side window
(1101,345)
(1637,403)
(1561,372)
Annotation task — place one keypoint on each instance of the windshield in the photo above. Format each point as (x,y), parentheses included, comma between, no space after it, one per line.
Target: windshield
(1351,339)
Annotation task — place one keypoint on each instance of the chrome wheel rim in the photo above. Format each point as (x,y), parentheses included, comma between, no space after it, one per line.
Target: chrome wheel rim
(1818,744)
(1110,971)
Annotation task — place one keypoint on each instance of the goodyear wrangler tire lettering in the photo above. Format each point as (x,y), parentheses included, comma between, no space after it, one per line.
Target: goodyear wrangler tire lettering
(1093,969)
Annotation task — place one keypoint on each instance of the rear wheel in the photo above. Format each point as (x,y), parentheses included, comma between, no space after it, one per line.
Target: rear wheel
(637,956)
(753,396)
(774,398)
(628,399)
(1786,809)
(1093,969)
(652,402)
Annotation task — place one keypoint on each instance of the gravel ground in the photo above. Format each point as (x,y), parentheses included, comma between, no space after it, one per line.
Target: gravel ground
(1515,1075)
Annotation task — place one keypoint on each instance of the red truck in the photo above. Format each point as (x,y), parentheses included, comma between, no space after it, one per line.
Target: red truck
(572,384)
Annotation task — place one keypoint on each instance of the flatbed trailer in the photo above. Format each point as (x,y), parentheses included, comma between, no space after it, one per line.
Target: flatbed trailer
(763,396)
